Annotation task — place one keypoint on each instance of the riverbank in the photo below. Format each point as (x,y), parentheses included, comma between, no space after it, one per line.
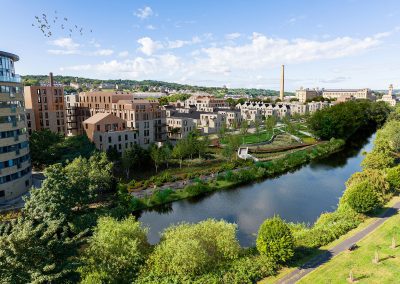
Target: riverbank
(230,178)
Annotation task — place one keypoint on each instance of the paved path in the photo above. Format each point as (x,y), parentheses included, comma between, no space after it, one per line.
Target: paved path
(317,261)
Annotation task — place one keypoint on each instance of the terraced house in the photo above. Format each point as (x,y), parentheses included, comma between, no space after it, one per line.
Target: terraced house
(15,165)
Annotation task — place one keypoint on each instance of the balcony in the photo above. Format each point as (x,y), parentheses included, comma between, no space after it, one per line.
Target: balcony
(15,79)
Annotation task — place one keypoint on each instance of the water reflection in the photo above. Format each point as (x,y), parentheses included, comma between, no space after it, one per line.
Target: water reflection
(299,196)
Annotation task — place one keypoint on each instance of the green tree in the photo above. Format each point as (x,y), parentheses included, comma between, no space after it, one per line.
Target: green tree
(244,127)
(393,177)
(115,252)
(275,240)
(377,160)
(270,124)
(180,151)
(39,252)
(157,155)
(257,129)
(43,147)
(193,249)
(363,198)
(222,131)
(230,148)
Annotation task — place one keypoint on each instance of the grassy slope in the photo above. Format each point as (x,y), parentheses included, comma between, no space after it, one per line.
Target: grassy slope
(360,261)
(286,270)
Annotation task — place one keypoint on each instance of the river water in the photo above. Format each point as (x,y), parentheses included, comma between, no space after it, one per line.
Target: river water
(299,196)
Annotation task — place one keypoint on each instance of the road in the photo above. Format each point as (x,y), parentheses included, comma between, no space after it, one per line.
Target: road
(317,261)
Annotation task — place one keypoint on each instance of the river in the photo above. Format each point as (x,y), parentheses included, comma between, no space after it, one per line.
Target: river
(299,196)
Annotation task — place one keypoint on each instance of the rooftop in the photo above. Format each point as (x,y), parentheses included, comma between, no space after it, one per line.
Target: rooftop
(9,55)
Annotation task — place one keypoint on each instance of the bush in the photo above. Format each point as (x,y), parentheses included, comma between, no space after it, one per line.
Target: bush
(193,249)
(115,252)
(161,196)
(197,188)
(275,240)
(363,198)
(393,177)
(376,180)
(327,228)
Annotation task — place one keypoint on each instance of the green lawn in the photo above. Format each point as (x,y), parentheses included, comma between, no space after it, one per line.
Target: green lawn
(252,138)
(360,261)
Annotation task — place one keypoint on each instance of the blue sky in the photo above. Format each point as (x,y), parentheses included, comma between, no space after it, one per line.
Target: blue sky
(336,44)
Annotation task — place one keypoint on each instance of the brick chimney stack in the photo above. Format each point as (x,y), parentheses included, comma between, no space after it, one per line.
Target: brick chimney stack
(51,79)
(282,92)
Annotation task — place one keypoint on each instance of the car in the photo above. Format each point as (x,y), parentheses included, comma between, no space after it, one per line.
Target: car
(352,247)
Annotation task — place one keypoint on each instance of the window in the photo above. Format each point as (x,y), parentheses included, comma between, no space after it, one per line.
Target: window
(98,128)
(2,193)
(126,137)
(109,140)
(119,138)
(86,126)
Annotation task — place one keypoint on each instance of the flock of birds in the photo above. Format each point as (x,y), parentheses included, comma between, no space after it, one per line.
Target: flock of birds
(45,25)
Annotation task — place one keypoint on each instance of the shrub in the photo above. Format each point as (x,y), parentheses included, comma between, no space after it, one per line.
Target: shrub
(193,249)
(393,177)
(377,160)
(275,240)
(197,188)
(161,196)
(376,180)
(327,228)
(362,197)
(115,252)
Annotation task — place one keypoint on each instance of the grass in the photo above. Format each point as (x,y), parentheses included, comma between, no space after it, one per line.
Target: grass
(360,261)
(286,270)
(252,138)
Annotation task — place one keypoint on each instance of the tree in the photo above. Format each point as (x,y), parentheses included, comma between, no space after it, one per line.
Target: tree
(39,252)
(193,249)
(115,252)
(180,151)
(377,160)
(393,177)
(233,143)
(257,129)
(244,127)
(43,147)
(167,153)
(157,156)
(133,158)
(222,131)
(376,180)
(362,198)
(275,240)
(270,123)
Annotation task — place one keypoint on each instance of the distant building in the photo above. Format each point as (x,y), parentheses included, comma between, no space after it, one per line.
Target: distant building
(356,93)
(305,94)
(390,98)
(45,107)
(106,86)
(107,131)
(15,164)
(206,101)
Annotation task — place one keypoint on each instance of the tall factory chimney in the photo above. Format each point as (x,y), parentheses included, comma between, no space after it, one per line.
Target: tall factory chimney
(51,79)
(282,93)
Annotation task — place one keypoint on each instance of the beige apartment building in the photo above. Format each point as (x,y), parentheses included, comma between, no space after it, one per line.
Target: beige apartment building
(181,124)
(390,98)
(355,93)
(205,101)
(305,94)
(107,131)
(45,108)
(15,165)
(143,116)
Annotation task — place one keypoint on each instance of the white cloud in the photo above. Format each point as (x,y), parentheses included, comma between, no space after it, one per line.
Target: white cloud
(232,36)
(65,42)
(144,13)
(123,54)
(63,51)
(149,46)
(264,51)
(102,52)
(165,64)
(150,27)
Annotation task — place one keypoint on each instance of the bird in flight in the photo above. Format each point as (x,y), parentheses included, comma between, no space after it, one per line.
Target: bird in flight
(42,23)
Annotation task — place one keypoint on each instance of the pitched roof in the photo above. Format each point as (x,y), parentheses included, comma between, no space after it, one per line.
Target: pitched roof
(99,117)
